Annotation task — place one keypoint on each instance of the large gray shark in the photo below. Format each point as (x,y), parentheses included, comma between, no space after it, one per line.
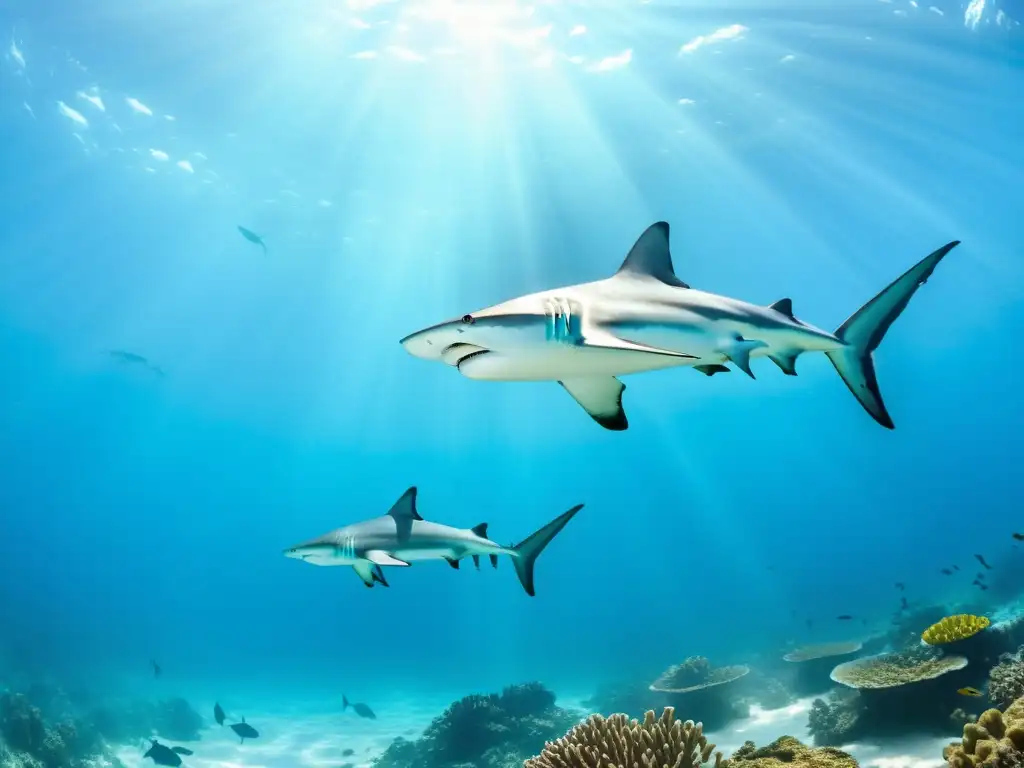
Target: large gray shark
(401,537)
(644,318)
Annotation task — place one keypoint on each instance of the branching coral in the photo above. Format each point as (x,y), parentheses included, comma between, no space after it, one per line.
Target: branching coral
(32,742)
(832,723)
(1006,679)
(655,743)
(785,752)
(995,741)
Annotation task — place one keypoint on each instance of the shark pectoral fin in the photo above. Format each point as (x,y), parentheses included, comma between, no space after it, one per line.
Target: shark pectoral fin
(601,397)
(454,563)
(476,561)
(711,370)
(785,360)
(380,557)
(738,352)
(597,338)
(364,570)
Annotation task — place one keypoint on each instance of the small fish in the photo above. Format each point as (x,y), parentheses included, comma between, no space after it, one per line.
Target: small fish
(980,576)
(182,751)
(903,604)
(979,585)
(968,691)
(135,359)
(900,586)
(347,752)
(956,567)
(253,238)
(361,709)
(844,617)
(218,714)
(946,571)
(156,668)
(163,755)
(981,560)
(1018,536)
(244,731)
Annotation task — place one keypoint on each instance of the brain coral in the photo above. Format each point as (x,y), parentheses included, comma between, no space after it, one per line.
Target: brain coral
(618,741)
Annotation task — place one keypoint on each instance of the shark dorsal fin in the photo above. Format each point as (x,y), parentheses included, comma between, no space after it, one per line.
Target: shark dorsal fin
(650,257)
(480,530)
(405,507)
(783,307)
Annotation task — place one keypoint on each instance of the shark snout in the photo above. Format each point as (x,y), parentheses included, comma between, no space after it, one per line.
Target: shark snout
(424,344)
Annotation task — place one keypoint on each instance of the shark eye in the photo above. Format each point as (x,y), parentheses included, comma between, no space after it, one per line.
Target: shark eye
(468,320)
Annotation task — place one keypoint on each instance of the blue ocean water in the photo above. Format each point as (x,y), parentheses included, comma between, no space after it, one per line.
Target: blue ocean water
(408,162)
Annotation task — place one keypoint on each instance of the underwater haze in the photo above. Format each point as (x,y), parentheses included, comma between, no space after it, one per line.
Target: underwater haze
(221,218)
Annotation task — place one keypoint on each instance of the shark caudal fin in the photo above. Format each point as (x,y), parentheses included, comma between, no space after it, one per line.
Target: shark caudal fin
(525,554)
(864,331)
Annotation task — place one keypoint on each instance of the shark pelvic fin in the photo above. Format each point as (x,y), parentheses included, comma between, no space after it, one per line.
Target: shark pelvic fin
(650,257)
(405,507)
(480,530)
(476,562)
(364,570)
(378,576)
(784,307)
(712,369)
(786,361)
(494,561)
(597,338)
(453,562)
(601,397)
(380,557)
(738,352)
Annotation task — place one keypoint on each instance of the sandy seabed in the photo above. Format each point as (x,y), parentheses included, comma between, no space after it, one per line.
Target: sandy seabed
(321,741)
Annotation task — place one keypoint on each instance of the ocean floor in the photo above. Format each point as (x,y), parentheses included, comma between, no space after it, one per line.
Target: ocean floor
(321,741)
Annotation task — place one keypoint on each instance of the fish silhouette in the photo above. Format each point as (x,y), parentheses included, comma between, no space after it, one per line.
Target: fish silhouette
(253,238)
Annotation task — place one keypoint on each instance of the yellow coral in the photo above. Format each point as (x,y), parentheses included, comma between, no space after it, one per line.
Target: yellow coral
(788,752)
(995,741)
(953,628)
(656,743)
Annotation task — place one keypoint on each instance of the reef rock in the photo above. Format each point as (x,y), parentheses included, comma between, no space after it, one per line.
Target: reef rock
(788,752)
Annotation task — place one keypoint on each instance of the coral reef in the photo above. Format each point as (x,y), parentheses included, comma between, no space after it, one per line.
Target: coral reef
(496,731)
(1006,679)
(996,740)
(892,670)
(787,751)
(953,628)
(812,664)
(912,691)
(710,694)
(696,674)
(172,719)
(833,722)
(29,740)
(655,743)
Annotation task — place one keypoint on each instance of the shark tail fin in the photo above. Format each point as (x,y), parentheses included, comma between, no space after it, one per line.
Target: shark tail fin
(866,328)
(344,702)
(525,554)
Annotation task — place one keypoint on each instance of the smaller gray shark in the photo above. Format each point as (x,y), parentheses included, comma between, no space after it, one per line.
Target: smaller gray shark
(402,536)
(253,238)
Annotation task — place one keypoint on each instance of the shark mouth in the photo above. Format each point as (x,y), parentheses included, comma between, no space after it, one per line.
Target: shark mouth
(458,353)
